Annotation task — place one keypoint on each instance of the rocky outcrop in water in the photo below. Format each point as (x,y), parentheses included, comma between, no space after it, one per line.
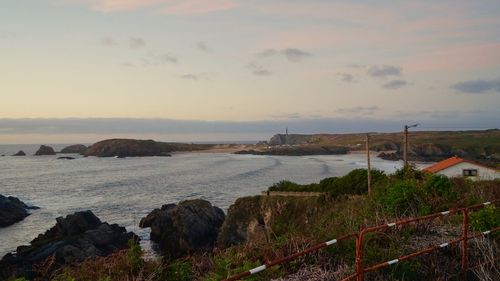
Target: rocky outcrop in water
(131,148)
(65,158)
(20,153)
(77,148)
(45,150)
(188,227)
(74,238)
(12,210)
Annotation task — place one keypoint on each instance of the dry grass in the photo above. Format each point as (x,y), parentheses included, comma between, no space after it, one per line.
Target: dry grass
(487,256)
(116,267)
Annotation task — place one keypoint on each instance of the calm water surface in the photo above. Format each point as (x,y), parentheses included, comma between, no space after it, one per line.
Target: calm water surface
(124,190)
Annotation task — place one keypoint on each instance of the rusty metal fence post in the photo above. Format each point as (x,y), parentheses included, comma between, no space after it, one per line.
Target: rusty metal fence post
(359,256)
(465,230)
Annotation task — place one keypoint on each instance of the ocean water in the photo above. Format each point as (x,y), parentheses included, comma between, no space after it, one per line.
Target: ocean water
(123,191)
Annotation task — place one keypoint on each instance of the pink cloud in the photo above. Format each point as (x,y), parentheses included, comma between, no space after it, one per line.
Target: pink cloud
(378,26)
(457,57)
(178,7)
(185,7)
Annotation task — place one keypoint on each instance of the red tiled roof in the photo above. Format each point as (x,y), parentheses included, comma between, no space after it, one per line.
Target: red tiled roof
(444,164)
(452,161)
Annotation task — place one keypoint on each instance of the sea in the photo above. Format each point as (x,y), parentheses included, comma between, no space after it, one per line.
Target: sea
(122,191)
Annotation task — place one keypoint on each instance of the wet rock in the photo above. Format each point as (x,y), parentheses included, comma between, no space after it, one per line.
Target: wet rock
(12,210)
(20,153)
(45,150)
(66,158)
(74,238)
(190,226)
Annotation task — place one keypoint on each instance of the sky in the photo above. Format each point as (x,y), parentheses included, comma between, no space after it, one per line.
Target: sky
(244,69)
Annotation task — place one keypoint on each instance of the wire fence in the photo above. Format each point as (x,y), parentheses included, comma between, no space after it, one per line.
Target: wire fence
(359,239)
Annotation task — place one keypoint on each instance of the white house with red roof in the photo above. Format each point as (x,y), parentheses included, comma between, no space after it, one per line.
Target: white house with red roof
(458,167)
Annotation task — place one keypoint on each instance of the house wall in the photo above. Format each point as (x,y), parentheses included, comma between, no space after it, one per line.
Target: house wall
(483,173)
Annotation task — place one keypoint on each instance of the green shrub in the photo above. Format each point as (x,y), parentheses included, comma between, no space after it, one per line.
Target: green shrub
(409,172)
(485,219)
(400,198)
(285,185)
(179,271)
(228,264)
(134,254)
(355,182)
(440,186)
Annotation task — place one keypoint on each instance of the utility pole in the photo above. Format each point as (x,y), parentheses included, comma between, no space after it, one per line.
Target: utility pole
(368,162)
(405,152)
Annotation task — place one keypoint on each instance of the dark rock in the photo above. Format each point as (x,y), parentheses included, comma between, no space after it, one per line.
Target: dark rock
(132,148)
(66,158)
(151,217)
(45,150)
(12,210)
(188,227)
(75,238)
(391,156)
(20,153)
(77,148)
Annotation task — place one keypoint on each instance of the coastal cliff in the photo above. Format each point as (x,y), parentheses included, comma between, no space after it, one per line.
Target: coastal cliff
(255,219)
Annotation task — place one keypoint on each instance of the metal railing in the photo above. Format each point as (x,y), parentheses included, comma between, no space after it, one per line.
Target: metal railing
(359,236)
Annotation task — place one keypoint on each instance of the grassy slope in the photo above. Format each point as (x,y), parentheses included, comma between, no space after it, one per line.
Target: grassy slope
(296,223)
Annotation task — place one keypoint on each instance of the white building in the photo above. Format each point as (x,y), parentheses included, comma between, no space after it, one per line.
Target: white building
(458,167)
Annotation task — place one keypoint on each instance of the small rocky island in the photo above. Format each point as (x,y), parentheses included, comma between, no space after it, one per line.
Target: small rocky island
(12,210)
(20,153)
(132,148)
(45,150)
(72,239)
(76,148)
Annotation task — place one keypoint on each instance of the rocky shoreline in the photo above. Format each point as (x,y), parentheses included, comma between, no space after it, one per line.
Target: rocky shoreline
(189,227)
(72,239)
(13,210)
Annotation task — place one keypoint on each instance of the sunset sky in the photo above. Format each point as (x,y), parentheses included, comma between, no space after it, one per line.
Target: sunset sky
(252,62)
